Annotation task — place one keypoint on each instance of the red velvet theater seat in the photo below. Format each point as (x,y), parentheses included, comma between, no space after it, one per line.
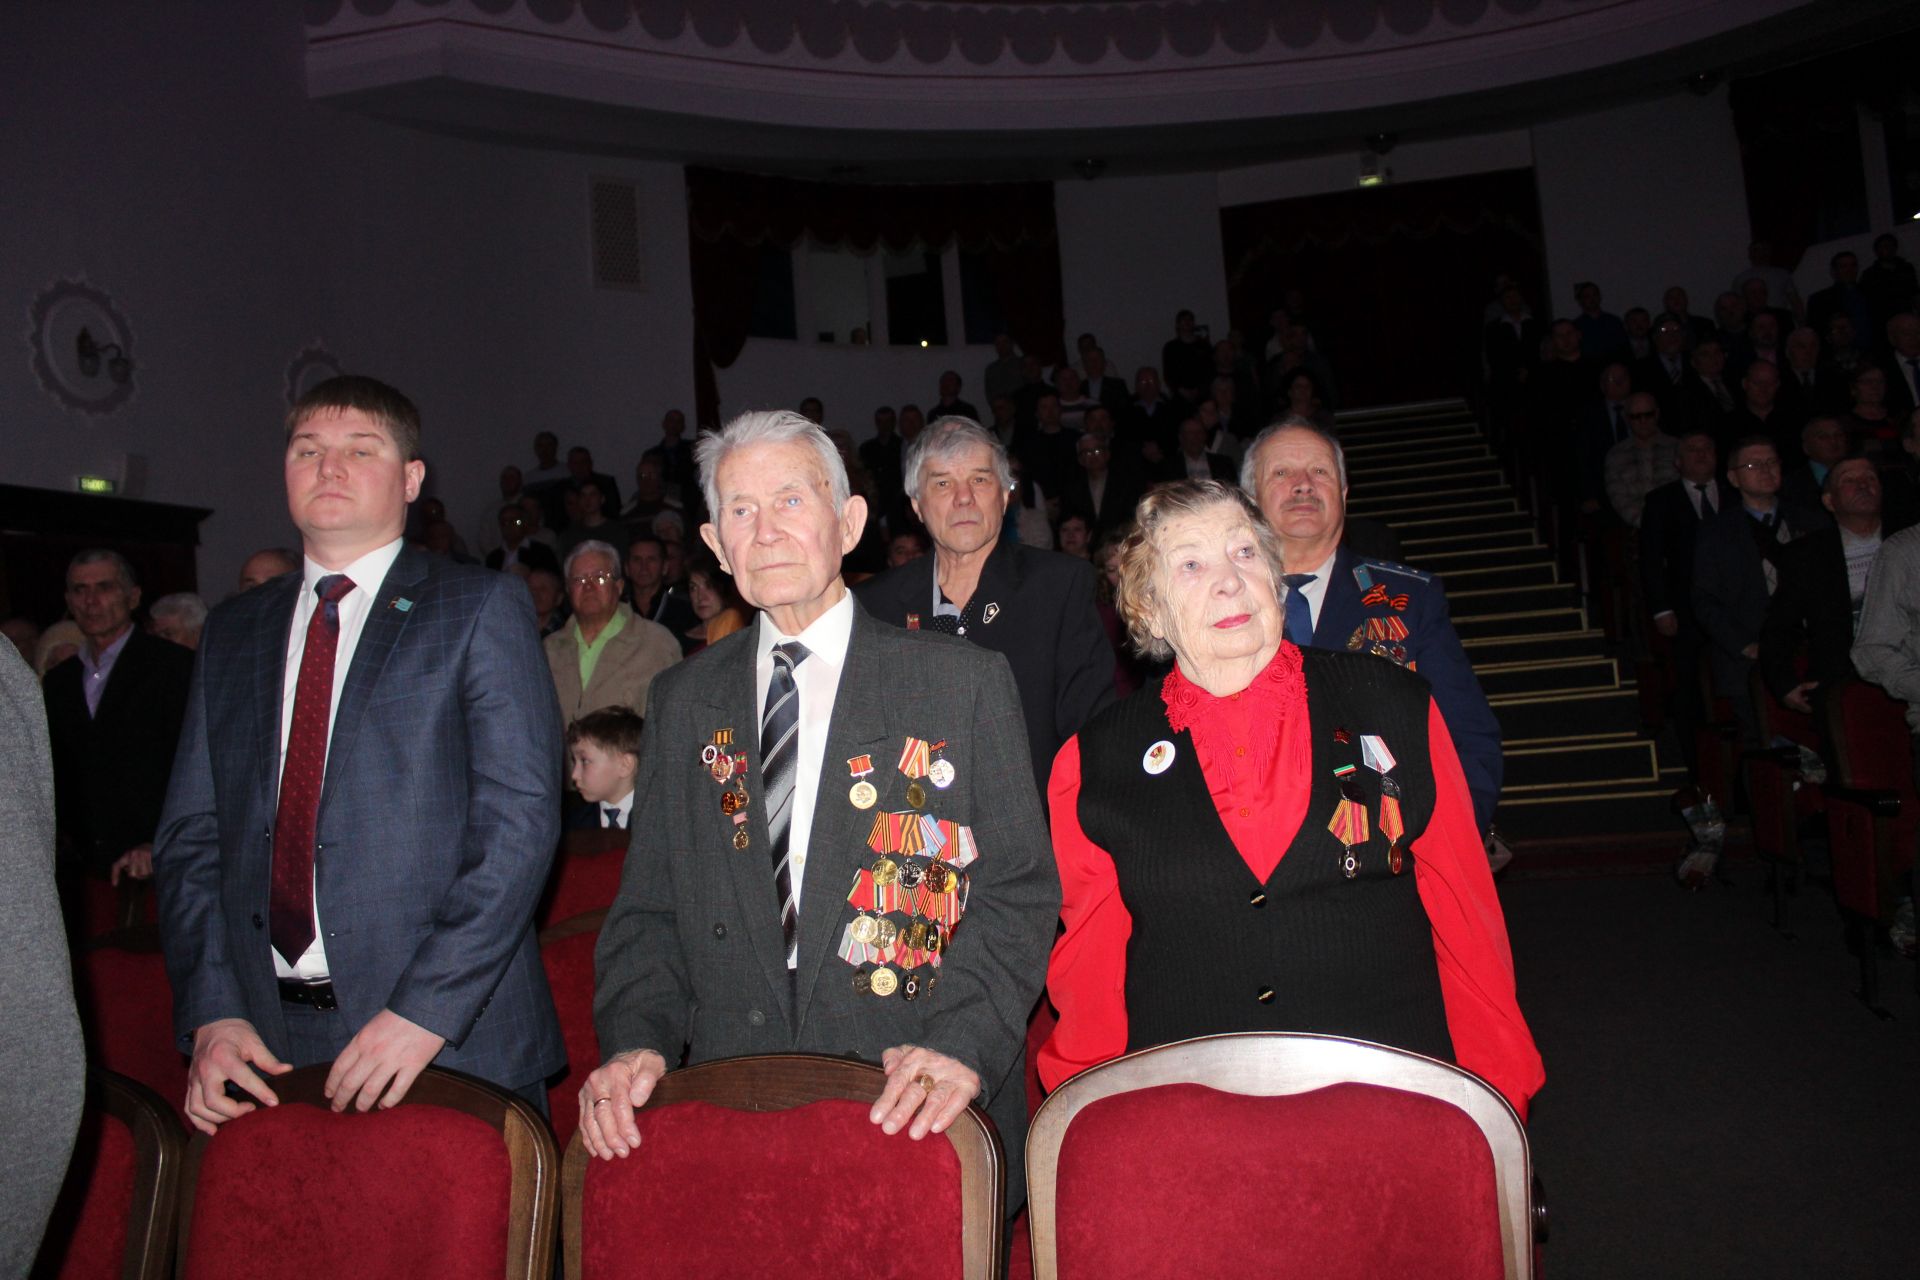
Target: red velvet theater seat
(126,1009)
(769,1166)
(567,952)
(115,1214)
(585,876)
(1280,1155)
(1872,814)
(458,1180)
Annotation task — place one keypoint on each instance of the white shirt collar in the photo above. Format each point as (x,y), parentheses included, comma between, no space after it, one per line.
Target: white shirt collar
(624,807)
(826,636)
(366,573)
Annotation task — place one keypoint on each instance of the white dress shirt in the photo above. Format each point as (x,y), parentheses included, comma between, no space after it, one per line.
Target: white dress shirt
(623,806)
(817,680)
(1315,592)
(367,574)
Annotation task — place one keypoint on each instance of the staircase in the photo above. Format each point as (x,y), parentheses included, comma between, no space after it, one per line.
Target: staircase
(1577,761)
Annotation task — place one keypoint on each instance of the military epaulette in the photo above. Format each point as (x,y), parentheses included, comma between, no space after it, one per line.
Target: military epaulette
(1363,572)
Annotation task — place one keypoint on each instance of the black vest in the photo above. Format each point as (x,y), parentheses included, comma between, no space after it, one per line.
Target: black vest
(1214,951)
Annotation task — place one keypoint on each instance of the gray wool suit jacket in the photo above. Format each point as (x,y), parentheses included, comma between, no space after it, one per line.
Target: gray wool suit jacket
(691,952)
(437,824)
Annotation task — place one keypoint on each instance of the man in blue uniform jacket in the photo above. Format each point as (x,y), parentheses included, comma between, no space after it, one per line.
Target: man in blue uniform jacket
(1338,599)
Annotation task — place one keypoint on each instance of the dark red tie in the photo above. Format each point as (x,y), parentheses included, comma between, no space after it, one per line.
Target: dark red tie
(301,773)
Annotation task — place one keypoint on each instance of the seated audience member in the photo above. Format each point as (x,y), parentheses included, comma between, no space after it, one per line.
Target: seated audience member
(1100,386)
(1035,607)
(1601,425)
(608,655)
(1297,351)
(1099,492)
(1869,425)
(1889,282)
(1299,396)
(179,617)
(1900,476)
(674,573)
(518,542)
(114,712)
(1186,360)
(813,409)
(1340,598)
(1843,345)
(547,477)
(1709,399)
(715,603)
(428,512)
(1778,287)
(1146,428)
(1075,537)
(1229,365)
(1195,461)
(56,644)
(1602,335)
(912,423)
(1642,462)
(1663,374)
(1730,330)
(949,404)
(265,566)
(580,471)
(603,758)
(1675,306)
(1883,648)
(1139,852)
(590,522)
(1669,523)
(904,547)
(1760,301)
(651,495)
(675,452)
(1074,402)
(1002,377)
(439,538)
(1639,326)
(1843,296)
(1761,413)
(549,599)
(649,592)
(23,634)
(487,531)
(1823,442)
(1736,568)
(1807,386)
(1823,581)
(1763,340)
(1006,420)
(1028,518)
(1903,363)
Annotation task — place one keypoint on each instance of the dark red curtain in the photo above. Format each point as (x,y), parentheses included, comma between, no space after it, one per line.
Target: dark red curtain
(730,216)
(1396,277)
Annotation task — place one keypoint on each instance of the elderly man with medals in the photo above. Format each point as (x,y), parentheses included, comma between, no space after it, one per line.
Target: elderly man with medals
(1303,811)
(837,843)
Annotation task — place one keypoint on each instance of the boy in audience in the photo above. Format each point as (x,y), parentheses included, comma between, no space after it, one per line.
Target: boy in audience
(603,755)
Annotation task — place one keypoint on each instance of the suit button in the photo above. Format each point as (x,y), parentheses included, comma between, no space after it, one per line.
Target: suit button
(719,931)
(257,922)
(1258,897)
(756,1018)
(1264,995)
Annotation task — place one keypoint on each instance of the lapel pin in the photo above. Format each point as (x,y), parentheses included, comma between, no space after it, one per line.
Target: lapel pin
(989,613)
(401,603)
(1159,757)
(913,622)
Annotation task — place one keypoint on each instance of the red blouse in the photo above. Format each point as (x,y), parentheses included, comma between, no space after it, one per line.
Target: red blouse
(1255,752)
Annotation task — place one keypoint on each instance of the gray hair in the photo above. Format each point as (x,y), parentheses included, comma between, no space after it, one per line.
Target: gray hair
(106,555)
(589,546)
(949,436)
(768,426)
(185,607)
(1137,599)
(1250,464)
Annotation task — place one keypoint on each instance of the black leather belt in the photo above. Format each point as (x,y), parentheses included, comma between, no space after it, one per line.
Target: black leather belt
(315,995)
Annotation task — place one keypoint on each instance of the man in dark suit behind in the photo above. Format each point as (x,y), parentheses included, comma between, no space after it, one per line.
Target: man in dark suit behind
(1669,524)
(819,795)
(1034,606)
(113,712)
(1823,583)
(366,799)
(1194,461)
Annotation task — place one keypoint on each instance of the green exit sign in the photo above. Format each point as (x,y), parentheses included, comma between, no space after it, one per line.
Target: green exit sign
(96,484)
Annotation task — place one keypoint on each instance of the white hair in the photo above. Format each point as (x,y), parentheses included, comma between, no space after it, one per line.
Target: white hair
(949,436)
(768,426)
(590,546)
(1250,464)
(184,606)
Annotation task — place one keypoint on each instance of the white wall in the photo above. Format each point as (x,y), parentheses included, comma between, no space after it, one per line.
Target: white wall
(171,157)
(1641,197)
(1132,252)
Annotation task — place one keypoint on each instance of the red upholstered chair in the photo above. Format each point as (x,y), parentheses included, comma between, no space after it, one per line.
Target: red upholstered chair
(585,877)
(1774,803)
(126,1009)
(111,907)
(115,1215)
(458,1180)
(768,1165)
(567,952)
(1279,1154)
(1039,1027)
(1872,815)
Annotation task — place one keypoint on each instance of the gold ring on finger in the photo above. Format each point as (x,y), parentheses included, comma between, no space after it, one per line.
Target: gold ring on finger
(925,1081)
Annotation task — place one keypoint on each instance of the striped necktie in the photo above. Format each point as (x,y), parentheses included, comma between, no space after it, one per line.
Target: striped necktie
(779,749)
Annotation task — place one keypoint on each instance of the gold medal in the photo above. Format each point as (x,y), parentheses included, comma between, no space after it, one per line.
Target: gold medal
(885,871)
(916,795)
(917,936)
(884,982)
(740,838)
(863,795)
(865,929)
(732,802)
(1395,859)
(863,982)
(885,932)
(939,877)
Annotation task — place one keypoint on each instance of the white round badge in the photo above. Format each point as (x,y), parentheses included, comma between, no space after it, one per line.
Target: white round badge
(1159,757)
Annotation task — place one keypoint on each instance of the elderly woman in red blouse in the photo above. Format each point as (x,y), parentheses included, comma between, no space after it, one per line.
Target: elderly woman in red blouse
(1270,839)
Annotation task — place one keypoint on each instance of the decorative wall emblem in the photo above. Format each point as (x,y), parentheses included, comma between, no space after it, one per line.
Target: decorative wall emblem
(82,347)
(313,366)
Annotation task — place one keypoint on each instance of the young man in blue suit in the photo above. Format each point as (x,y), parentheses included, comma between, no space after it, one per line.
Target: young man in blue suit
(1338,599)
(365,801)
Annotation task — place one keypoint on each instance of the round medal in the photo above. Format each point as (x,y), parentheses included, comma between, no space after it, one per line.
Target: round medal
(708,754)
(939,878)
(917,935)
(864,929)
(911,988)
(884,982)
(886,871)
(885,932)
(910,875)
(941,774)
(863,982)
(740,838)
(722,768)
(916,795)
(1395,858)
(732,802)
(936,940)
(863,795)
(1159,758)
